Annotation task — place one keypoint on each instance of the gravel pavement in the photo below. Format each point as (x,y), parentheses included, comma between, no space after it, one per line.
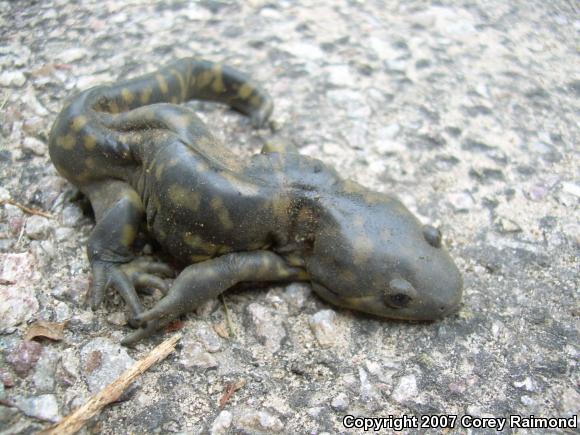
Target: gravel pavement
(467,110)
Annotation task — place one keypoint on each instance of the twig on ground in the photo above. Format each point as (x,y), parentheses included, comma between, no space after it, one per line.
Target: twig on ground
(75,421)
(228,318)
(231,388)
(5,100)
(27,209)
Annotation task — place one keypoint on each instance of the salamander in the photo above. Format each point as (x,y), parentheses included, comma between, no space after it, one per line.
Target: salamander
(147,162)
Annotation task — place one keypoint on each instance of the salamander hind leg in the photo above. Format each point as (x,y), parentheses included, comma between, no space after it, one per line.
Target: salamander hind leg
(119,213)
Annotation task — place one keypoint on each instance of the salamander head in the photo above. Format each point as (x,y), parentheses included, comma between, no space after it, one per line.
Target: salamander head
(375,256)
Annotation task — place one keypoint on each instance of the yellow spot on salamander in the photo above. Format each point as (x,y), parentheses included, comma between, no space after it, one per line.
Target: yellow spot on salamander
(145,95)
(257,246)
(83,177)
(210,248)
(113,107)
(135,200)
(362,250)
(204,78)
(294,260)
(281,206)
(174,100)
(90,163)
(282,270)
(159,171)
(222,212)
(255,101)
(182,86)
(193,240)
(245,91)
(184,198)
(79,122)
(128,235)
(350,186)
(374,197)
(163,87)
(218,83)
(90,142)
(224,249)
(68,141)
(303,275)
(272,147)
(199,258)
(127,95)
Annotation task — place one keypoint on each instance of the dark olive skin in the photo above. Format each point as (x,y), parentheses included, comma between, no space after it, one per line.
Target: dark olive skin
(147,162)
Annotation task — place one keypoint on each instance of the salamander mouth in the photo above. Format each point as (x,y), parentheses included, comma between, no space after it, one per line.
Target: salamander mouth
(375,305)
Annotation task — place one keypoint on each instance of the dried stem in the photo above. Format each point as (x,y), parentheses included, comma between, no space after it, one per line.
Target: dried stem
(74,422)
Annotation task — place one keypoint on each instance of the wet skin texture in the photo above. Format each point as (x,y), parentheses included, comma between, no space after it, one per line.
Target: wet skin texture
(147,162)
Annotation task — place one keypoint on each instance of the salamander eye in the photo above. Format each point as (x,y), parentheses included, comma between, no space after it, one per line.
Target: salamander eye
(400,293)
(432,235)
(400,300)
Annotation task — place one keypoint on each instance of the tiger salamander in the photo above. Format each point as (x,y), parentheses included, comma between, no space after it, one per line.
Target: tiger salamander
(143,160)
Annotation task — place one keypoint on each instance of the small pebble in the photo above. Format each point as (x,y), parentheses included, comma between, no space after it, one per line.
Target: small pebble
(193,355)
(406,390)
(44,374)
(506,226)
(208,338)
(70,364)
(24,357)
(303,50)
(18,301)
(34,146)
(12,78)
(296,295)
(6,378)
(461,201)
(43,407)
(102,362)
(571,188)
(62,312)
(340,402)
(268,326)
(71,55)
(71,216)
(222,423)
(118,318)
(324,327)
(339,76)
(37,227)
(569,402)
(260,421)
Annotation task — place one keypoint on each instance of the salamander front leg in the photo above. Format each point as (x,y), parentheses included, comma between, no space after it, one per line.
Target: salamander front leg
(202,281)
(119,212)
